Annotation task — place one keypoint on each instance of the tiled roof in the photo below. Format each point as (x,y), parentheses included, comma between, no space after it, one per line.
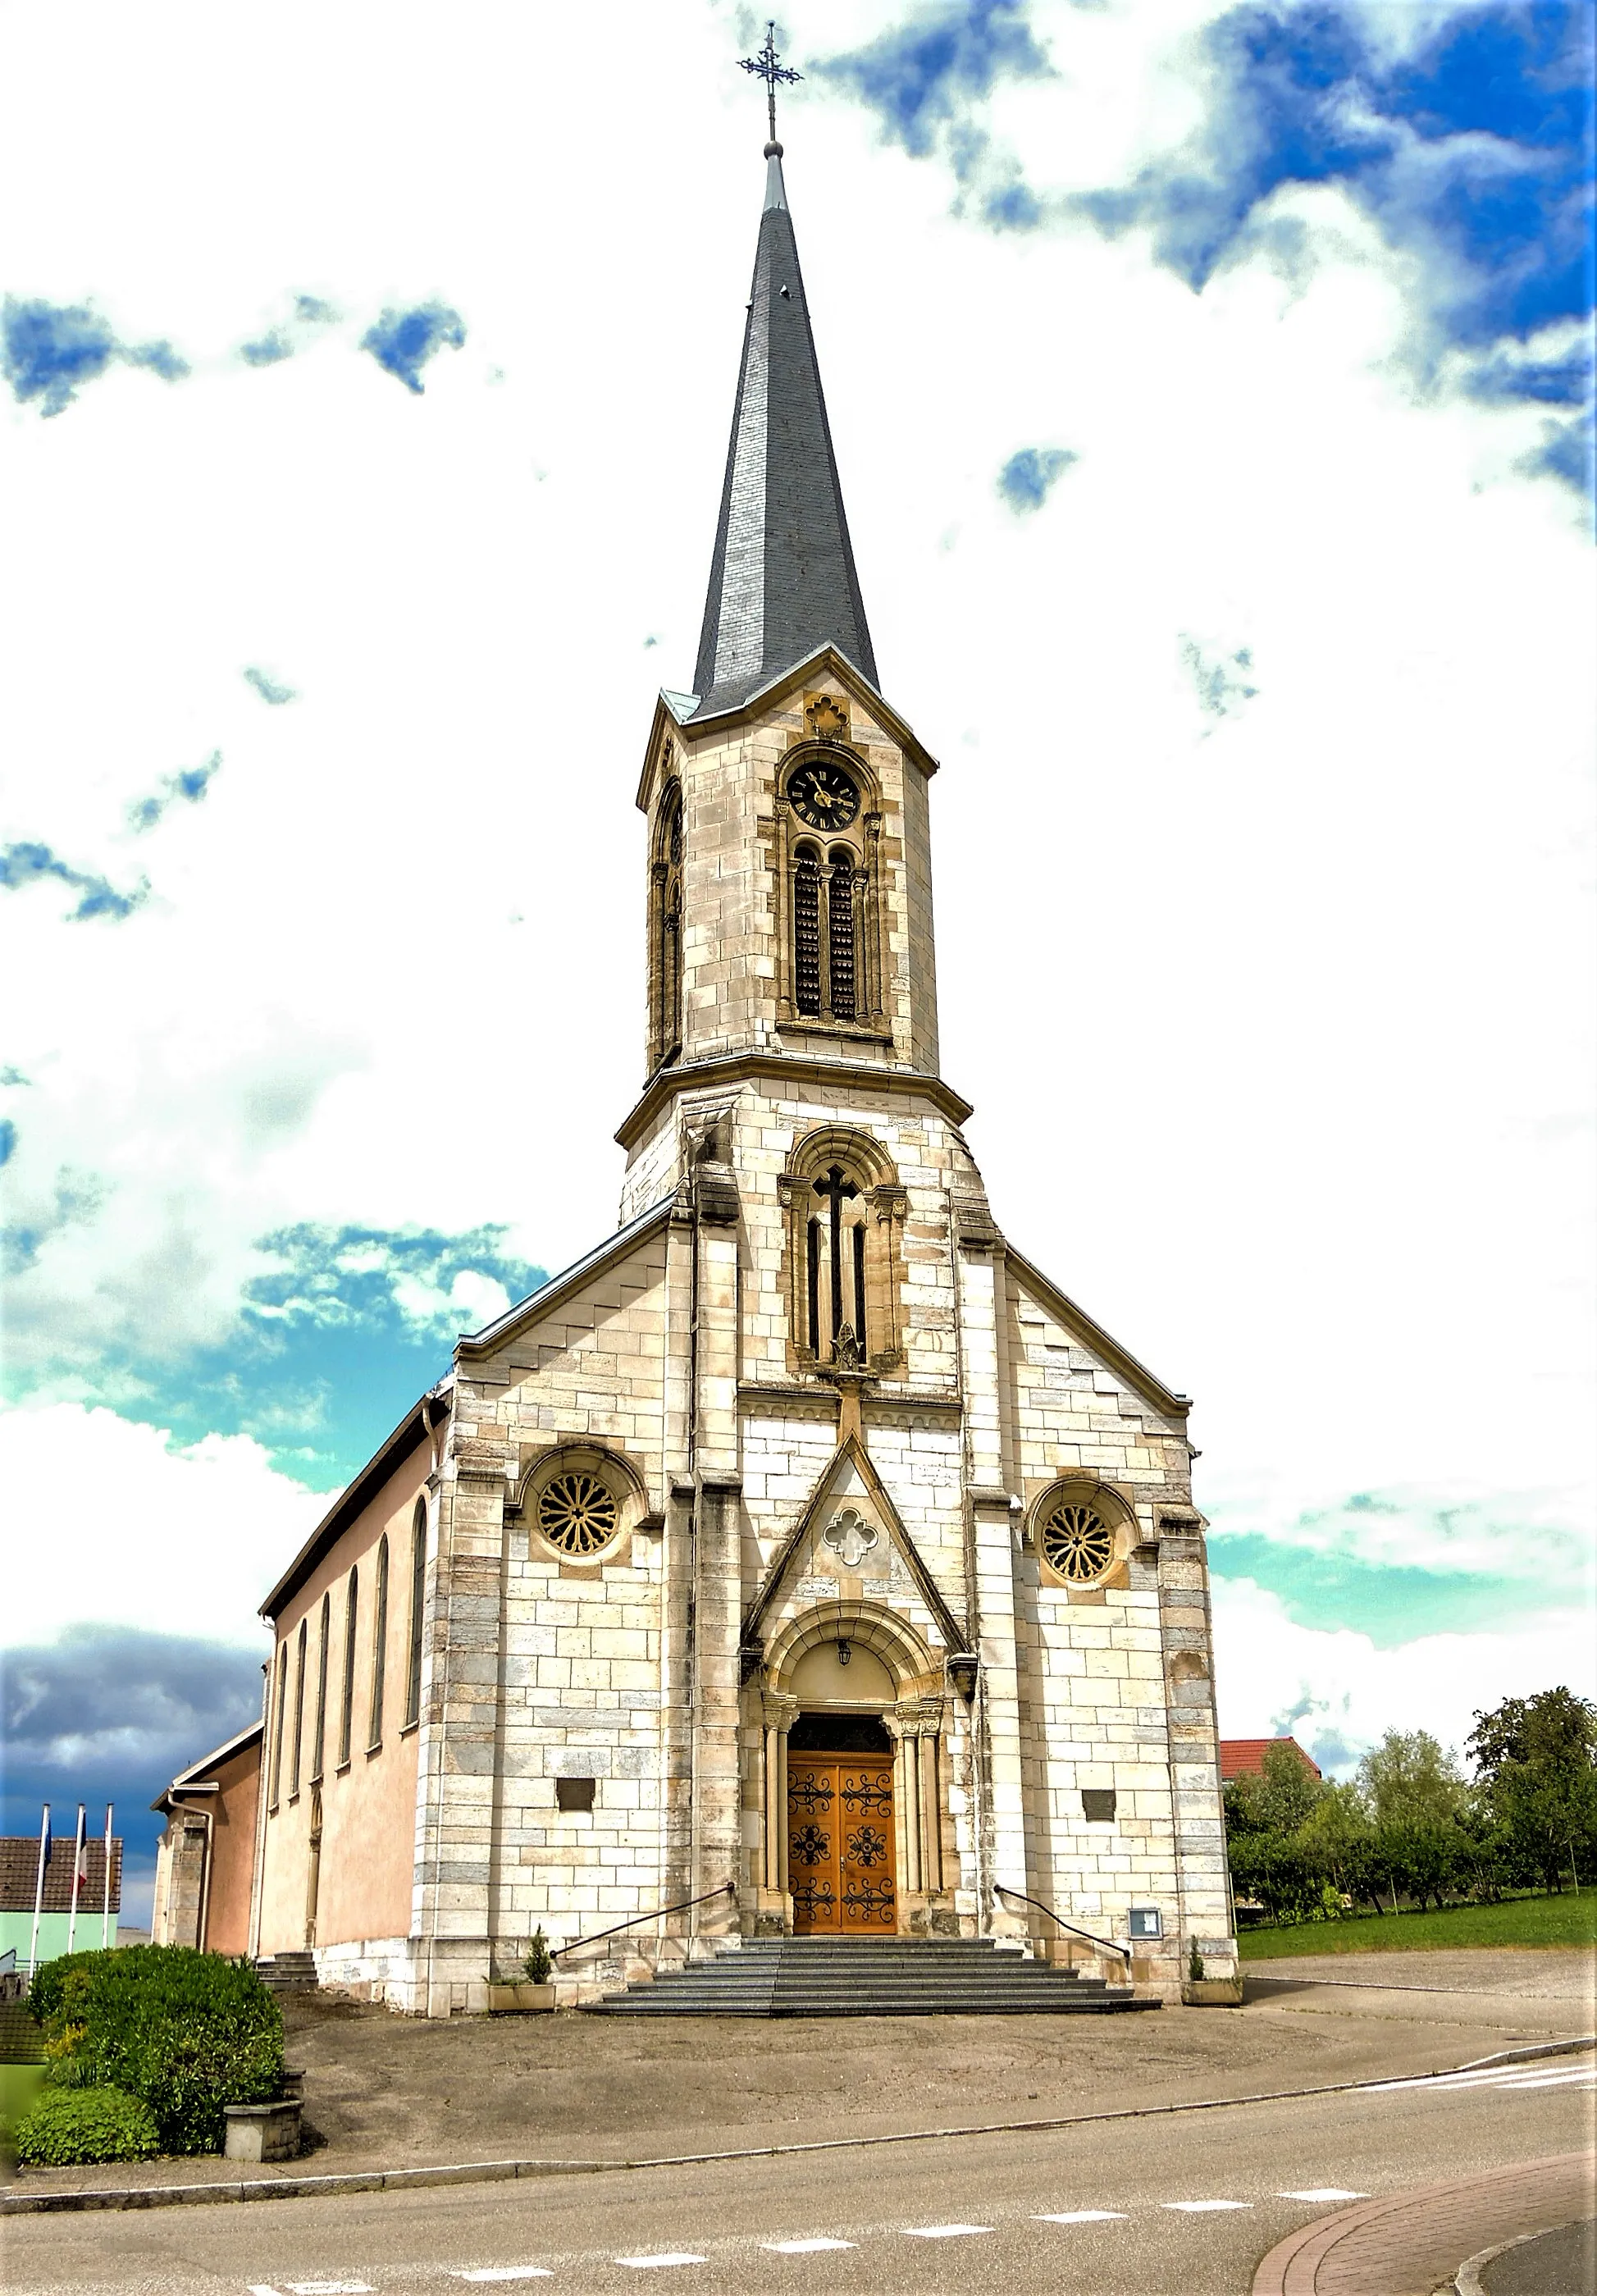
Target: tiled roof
(1245,1756)
(781,580)
(1240,1757)
(19,1867)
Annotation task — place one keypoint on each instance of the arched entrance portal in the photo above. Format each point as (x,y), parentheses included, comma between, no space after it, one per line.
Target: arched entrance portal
(853,1804)
(841,1835)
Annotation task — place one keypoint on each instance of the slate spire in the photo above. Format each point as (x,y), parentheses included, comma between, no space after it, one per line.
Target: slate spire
(781,581)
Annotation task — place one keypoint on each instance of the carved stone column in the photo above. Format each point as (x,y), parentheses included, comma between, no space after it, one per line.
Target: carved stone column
(778,1713)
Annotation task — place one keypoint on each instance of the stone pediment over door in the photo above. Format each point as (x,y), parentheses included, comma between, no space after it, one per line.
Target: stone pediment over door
(849,1544)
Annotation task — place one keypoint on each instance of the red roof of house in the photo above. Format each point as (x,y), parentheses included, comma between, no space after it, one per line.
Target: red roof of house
(19,1874)
(1242,1757)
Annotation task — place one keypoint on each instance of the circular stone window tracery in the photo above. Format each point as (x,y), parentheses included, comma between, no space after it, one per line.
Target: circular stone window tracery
(1076,1543)
(577,1513)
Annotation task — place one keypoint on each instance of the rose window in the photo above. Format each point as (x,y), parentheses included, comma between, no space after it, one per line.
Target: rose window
(577,1514)
(1077,1543)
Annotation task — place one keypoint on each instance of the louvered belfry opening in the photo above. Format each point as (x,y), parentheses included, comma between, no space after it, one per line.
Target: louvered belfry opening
(806,930)
(841,934)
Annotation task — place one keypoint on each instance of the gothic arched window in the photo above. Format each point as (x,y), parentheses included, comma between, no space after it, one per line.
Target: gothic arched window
(298,1711)
(664,935)
(318,1740)
(845,1209)
(346,1705)
(379,1642)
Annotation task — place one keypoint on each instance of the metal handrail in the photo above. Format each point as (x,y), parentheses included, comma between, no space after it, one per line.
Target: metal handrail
(655,1914)
(1105,1944)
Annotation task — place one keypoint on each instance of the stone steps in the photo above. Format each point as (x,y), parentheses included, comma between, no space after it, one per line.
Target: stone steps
(870,1977)
(288,1972)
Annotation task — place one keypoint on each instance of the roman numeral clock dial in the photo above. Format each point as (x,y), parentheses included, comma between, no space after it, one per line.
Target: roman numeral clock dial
(824,796)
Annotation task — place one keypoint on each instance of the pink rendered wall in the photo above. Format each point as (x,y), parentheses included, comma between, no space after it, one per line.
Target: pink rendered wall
(232,1852)
(369,1803)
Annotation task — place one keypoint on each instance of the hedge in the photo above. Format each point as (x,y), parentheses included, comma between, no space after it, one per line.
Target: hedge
(186,2032)
(69,2125)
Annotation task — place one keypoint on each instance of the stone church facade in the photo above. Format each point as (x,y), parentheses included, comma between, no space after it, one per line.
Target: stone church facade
(802,1560)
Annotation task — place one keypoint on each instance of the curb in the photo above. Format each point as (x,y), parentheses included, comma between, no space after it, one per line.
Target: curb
(492,2172)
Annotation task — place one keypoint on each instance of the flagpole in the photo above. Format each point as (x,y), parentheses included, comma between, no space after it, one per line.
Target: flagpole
(78,1848)
(105,1916)
(39,1891)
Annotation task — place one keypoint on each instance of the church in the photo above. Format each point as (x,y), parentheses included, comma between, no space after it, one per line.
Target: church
(803,1561)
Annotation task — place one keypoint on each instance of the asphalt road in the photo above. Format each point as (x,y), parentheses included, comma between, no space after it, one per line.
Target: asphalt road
(988,2201)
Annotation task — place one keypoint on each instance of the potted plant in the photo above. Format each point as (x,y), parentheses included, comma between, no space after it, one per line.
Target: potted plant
(533,1991)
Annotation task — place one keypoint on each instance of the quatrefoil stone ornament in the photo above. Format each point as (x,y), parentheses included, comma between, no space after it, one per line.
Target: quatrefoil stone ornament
(851,1538)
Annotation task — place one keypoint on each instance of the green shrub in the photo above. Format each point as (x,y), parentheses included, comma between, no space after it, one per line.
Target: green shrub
(69,2125)
(186,2032)
(537,1964)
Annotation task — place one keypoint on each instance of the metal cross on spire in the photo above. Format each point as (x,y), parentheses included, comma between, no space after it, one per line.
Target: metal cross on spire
(766,66)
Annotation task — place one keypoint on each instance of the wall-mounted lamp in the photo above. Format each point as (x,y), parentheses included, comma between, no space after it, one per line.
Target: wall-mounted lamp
(845,1652)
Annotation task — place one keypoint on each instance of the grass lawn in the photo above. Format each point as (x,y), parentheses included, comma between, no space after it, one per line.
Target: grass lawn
(1569,1919)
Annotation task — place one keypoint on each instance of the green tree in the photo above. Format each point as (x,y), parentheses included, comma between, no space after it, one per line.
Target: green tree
(1535,1759)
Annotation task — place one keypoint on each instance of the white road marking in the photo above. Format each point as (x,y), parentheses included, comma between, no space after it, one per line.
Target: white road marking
(259,2288)
(507,2272)
(1499,2077)
(1203,2207)
(330,2287)
(646,2263)
(804,2247)
(1086,2215)
(1323,2192)
(943,2232)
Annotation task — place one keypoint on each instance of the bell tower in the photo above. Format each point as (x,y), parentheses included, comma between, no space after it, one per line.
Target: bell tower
(790,870)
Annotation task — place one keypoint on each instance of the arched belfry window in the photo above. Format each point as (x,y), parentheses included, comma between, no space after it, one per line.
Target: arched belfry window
(806,929)
(845,1216)
(842,933)
(828,839)
(665,929)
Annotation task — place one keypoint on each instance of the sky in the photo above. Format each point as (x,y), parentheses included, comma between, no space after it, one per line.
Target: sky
(1212,392)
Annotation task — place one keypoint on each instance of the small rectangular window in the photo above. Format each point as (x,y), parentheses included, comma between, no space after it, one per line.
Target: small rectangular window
(574,1793)
(1098,1805)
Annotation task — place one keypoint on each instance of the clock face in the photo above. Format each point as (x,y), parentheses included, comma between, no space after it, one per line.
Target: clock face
(824,796)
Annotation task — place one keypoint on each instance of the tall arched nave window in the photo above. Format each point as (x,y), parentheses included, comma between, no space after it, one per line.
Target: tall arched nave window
(665,929)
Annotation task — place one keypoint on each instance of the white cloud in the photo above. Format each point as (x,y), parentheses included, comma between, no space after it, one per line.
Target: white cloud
(1339,1693)
(113,1523)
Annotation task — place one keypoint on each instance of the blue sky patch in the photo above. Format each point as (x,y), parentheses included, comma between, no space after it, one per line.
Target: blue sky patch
(29,863)
(269,688)
(1027,478)
(176,788)
(266,351)
(922,79)
(49,350)
(1473,152)
(402,341)
(8,1140)
(1220,680)
(1390,1603)
(351,1325)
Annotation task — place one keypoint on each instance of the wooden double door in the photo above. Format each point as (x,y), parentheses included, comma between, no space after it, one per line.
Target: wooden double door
(841,1864)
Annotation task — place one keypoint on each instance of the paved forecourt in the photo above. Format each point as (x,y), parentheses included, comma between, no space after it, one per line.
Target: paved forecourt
(1177,2206)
